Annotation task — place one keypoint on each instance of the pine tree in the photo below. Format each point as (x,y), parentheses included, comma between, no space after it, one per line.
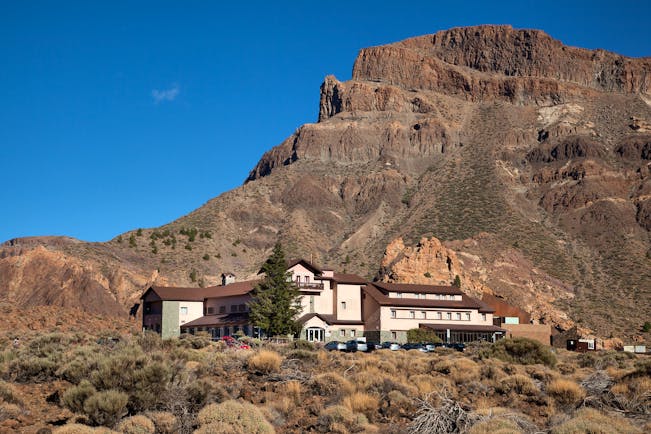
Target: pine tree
(276,299)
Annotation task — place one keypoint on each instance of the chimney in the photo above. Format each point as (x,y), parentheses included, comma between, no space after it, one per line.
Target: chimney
(227,278)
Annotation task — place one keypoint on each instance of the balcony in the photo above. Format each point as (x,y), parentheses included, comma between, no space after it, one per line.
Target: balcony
(309,286)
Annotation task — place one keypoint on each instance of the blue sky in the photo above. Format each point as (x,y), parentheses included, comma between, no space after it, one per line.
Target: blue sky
(117,115)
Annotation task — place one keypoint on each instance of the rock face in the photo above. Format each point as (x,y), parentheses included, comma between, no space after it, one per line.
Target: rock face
(528,160)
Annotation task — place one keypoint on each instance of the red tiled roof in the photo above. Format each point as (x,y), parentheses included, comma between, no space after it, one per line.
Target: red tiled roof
(328,319)
(463,327)
(349,278)
(383,299)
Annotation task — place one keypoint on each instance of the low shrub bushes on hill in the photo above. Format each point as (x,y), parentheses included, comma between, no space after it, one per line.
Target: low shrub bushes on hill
(520,350)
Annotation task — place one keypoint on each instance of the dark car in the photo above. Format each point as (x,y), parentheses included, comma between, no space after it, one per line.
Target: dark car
(372,346)
(393,346)
(354,346)
(418,347)
(335,346)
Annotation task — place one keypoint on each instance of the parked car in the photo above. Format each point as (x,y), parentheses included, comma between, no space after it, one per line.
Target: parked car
(354,346)
(393,346)
(430,346)
(372,346)
(335,346)
(413,346)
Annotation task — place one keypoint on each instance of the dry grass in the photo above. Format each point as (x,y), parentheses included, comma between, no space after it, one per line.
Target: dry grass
(331,383)
(459,370)
(138,424)
(265,362)
(517,383)
(360,402)
(591,421)
(565,392)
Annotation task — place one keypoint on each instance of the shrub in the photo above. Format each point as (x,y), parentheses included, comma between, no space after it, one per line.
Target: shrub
(233,416)
(77,428)
(520,350)
(106,408)
(265,362)
(360,402)
(518,383)
(30,369)
(460,370)
(166,423)
(340,419)
(565,392)
(8,394)
(75,396)
(331,383)
(422,335)
(591,421)
(138,424)
(496,426)
(301,344)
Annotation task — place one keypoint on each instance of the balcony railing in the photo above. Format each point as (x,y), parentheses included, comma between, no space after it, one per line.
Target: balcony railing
(314,286)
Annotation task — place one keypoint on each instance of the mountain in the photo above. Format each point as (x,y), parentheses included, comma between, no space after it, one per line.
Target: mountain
(528,159)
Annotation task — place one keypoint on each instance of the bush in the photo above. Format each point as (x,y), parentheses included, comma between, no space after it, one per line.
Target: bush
(233,417)
(331,383)
(591,421)
(340,419)
(75,396)
(520,350)
(136,425)
(565,392)
(166,423)
(106,408)
(30,369)
(77,428)
(302,344)
(422,335)
(360,402)
(518,383)
(496,426)
(265,362)
(8,394)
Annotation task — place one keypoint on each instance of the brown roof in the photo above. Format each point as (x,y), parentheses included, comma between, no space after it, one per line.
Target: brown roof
(219,320)
(236,288)
(328,319)
(417,288)
(383,299)
(313,268)
(463,327)
(349,278)
(171,293)
(503,308)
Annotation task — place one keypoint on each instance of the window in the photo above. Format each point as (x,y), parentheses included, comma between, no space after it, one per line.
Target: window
(342,333)
(352,333)
(242,307)
(448,315)
(483,317)
(458,316)
(210,310)
(423,295)
(394,336)
(467,316)
(423,314)
(343,305)
(437,296)
(399,294)
(412,314)
(393,314)
(438,315)
(233,308)
(222,309)
(184,310)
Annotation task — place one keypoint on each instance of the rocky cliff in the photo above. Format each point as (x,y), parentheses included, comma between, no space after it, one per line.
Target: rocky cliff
(528,159)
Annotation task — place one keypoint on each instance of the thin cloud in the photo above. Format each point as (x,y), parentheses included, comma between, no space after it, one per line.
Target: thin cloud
(165,94)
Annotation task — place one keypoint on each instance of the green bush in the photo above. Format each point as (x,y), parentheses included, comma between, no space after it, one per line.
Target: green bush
(422,335)
(75,396)
(301,344)
(520,350)
(106,408)
(29,369)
